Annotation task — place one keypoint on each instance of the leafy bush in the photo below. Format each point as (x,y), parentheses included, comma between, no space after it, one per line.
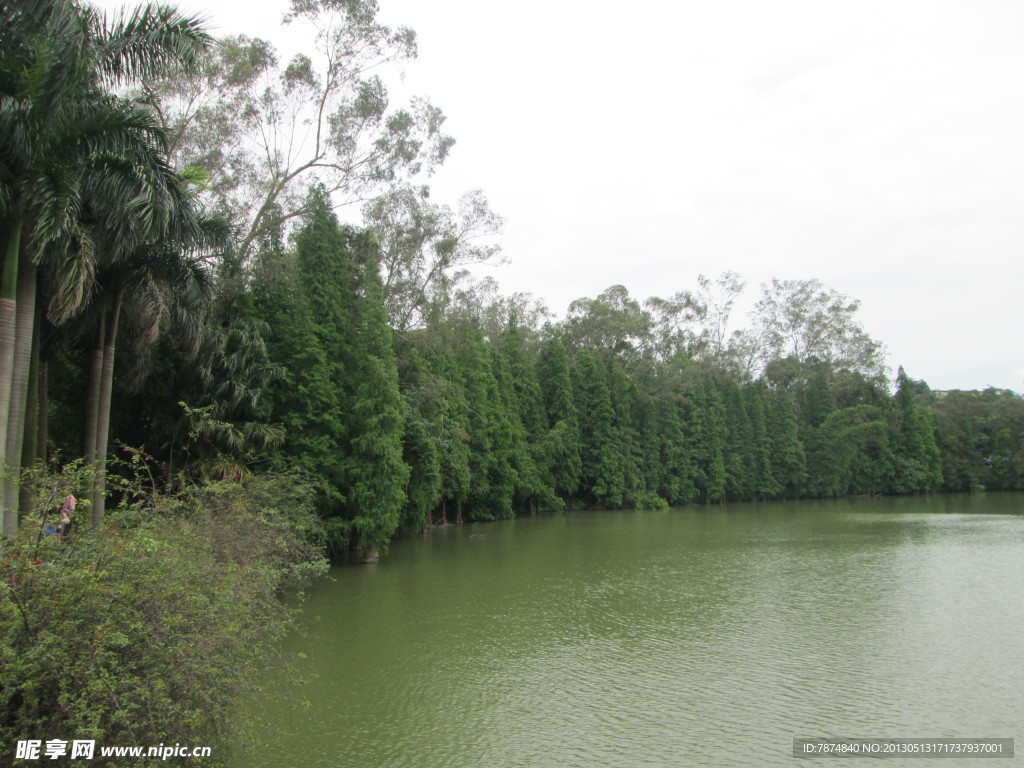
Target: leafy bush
(147,631)
(649,500)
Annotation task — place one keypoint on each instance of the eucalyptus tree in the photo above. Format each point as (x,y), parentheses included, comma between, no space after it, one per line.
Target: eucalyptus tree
(807,321)
(63,138)
(270,131)
(424,246)
(480,302)
(614,324)
(697,322)
(673,324)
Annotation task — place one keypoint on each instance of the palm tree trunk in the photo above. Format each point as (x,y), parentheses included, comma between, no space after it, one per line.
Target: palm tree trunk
(8,324)
(92,401)
(44,408)
(29,447)
(25,317)
(103,417)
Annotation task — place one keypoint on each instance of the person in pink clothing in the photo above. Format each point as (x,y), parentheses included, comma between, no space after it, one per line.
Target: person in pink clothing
(67,509)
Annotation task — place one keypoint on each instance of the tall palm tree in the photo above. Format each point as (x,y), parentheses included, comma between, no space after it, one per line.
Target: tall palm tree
(64,137)
(162,285)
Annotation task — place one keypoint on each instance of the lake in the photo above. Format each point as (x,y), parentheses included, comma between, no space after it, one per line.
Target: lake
(703,636)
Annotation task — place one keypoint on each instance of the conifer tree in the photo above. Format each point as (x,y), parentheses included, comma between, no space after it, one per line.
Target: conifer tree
(917,465)
(651,441)
(512,435)
(831,453)
(559,455)
(710,423)
(602,477)
(375,474)
(451,422)
(493,474)
(739,453)
(818,400)
(529,403)
(827,458)
(306,305)
(339,399)
(420,453)
(787,450)
(623,391)
(670,464)
(766,485)
(520,388)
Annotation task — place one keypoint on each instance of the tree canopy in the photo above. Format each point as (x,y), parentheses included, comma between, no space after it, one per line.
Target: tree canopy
(368,353)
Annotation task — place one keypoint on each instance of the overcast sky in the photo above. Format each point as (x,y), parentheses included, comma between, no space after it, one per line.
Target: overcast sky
(877,145)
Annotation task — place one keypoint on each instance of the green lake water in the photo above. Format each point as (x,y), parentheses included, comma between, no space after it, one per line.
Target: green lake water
(704,636)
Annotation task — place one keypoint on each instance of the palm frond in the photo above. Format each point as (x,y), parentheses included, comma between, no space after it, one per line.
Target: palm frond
(106,123)
(263,435)
(76,276)
(152,41)
(55,203)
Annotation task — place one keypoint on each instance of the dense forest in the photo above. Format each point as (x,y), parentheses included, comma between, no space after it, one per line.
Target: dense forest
(180,203)
(287,381)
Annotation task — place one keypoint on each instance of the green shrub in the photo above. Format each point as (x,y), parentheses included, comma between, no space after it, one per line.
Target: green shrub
(649,500)
(147,631)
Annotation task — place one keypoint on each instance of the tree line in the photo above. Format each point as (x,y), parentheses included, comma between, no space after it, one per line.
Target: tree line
(177,197)
(227,377)
(488,409)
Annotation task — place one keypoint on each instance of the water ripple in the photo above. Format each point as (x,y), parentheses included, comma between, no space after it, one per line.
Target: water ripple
(685,638)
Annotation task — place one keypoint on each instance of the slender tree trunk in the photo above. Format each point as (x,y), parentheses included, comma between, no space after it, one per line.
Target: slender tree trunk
(103,418)
(458,512)
(8,324)
(44,409)
(92,401)
(29,446)
(25,317)
(444,512)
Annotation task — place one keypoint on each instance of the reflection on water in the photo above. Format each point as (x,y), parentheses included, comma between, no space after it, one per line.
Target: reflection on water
(689,637)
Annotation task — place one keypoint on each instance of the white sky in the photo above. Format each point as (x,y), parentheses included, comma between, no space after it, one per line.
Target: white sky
(877,145)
